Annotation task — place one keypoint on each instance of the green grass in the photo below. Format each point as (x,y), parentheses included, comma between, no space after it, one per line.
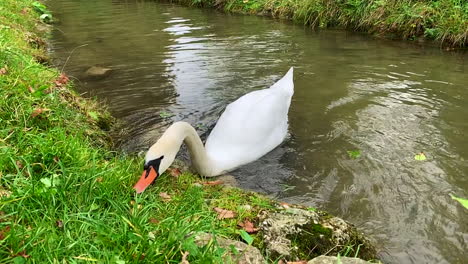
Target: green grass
(65,196)
(445,21)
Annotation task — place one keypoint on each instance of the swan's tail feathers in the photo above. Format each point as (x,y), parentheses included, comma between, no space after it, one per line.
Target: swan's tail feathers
(286,83)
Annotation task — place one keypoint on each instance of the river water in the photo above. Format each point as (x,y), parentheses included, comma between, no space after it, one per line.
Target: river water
(389,100)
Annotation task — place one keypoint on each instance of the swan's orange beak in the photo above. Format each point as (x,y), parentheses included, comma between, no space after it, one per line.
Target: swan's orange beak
(146,179)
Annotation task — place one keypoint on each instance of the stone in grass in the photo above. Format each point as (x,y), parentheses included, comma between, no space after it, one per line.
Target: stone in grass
(245,254)
(295,234)
(97,72)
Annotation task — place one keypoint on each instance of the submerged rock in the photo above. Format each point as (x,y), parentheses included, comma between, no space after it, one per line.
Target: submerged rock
(295,233)
(245,254)
(98,72)
(334,260)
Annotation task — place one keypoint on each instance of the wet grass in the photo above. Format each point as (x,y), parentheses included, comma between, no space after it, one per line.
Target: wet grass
(445,21)
(65,196)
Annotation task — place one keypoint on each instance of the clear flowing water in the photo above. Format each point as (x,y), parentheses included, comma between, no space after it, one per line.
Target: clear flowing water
(390,100)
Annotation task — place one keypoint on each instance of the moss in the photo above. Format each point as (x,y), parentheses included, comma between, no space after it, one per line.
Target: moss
(315,240)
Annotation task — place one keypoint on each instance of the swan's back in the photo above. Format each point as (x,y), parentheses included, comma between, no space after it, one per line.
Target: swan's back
(251,126)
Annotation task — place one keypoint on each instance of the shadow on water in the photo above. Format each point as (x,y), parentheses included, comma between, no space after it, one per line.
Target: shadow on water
(390,100)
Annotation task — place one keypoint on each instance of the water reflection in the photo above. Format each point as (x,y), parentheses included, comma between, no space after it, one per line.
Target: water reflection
(387,99)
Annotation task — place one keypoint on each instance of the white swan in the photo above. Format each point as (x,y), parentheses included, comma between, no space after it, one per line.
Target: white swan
(250,127)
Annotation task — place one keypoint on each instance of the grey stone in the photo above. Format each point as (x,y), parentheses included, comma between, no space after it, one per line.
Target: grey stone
(228,180)
(245,254)
(98,72)
(294,232)
(334,260)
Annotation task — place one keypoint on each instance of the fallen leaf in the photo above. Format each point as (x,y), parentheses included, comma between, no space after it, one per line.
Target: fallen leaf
(462,201)
(153,221)
(3,232)
(223,213)
(93,115)
(59,223)
(19,164)
(247,238)
(39,111)
(62,80)
(30,89)
(175,172)
(4,70)
(166,197)
(23,254)
(297,262)
(211,183)
(184,258)
(285,205)
(248,226)
(420,156)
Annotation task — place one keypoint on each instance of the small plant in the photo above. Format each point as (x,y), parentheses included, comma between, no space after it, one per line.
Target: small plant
(420,156)
(45,15)
(354,154)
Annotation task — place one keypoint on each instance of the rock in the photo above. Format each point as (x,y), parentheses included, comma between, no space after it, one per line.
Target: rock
(245,254)
(41,27)
(334,260)
(228,180)
(245,207)
(98,72)
(295,233)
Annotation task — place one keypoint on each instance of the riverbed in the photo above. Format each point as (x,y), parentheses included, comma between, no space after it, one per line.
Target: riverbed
(362,109)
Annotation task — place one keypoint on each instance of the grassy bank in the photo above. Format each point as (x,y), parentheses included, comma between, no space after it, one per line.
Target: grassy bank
(445,21)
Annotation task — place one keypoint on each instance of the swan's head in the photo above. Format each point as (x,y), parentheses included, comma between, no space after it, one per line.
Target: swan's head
(158,158)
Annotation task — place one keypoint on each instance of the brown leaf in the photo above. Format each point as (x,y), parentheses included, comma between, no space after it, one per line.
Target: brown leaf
(19,164)
(3,232)
(166,197)
(59,223)
(175,172)
(297,262)
(62,80)
(23,254)
(39,111)
(223,213)
(4,70)
(153,220)
(211,183)
(285,205)
(30,89)
(248,226)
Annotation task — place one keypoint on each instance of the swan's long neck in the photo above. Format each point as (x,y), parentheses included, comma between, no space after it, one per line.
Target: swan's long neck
(180,132)
(200,159)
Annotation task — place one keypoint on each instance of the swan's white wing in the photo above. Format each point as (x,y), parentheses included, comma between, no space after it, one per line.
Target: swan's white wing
(251,126)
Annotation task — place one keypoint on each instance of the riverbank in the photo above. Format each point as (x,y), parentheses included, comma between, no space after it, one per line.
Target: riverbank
(67,196)
(442,21)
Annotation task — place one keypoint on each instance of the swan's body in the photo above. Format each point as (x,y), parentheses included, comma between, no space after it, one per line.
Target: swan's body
(250,127)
